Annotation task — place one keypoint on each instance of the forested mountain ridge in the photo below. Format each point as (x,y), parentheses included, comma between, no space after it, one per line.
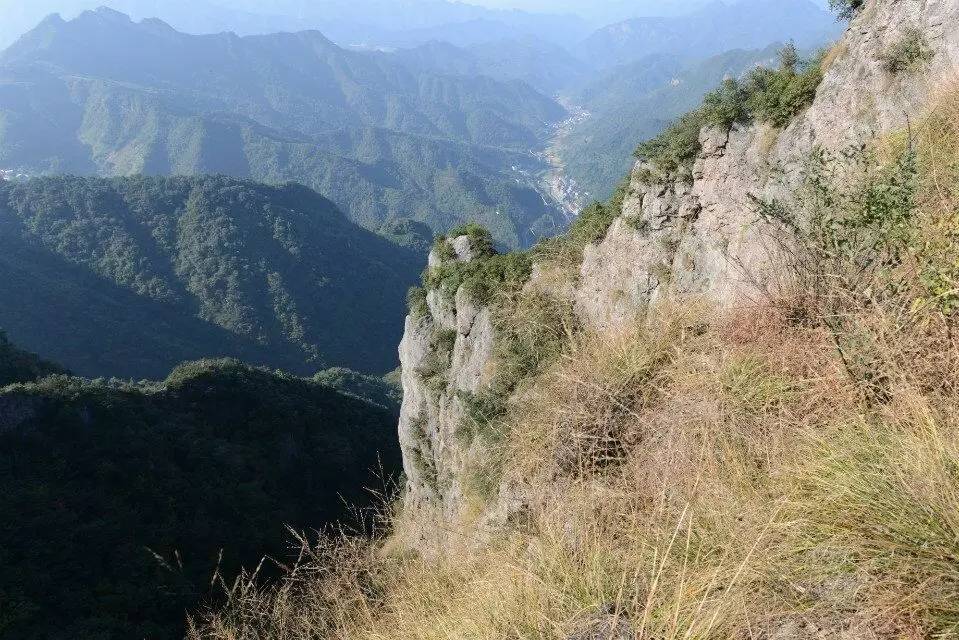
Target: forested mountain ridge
(102,94)
(129,277)
(119,503)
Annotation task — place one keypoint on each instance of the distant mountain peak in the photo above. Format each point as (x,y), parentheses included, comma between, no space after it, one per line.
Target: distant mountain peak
(109,13)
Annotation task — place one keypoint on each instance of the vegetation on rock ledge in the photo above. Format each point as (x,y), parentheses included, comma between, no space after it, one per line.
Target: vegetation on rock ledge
(773,96)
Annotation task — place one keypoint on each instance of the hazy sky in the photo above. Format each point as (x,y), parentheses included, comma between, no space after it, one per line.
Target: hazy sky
(564,5)
(590,7)
(587,7)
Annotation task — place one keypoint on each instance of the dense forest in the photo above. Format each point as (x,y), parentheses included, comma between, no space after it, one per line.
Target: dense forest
(119,502)
(129,277)
(17,365)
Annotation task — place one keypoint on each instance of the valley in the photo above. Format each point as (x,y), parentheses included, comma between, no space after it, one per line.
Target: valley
(560,186)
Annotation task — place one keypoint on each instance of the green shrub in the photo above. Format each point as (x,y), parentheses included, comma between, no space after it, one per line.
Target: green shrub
(673,151)
(436,364)
(775,96)
(849,233)
(444,250)
(846,9)
(909,54)
(725,106)
(481,410)
(482,277)
(416,302)
(480,238)
(778,96)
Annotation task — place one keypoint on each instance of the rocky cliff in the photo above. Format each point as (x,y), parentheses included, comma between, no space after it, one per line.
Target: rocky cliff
(704,237)
(445,351)
(673,239)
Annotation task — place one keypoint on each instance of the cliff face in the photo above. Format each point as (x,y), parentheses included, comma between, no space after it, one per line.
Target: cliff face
(704,238)
(697,239)
(444,352)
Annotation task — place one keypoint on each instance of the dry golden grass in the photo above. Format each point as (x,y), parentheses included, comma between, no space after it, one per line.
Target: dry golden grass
(834,52)
(702,476)
(751,490)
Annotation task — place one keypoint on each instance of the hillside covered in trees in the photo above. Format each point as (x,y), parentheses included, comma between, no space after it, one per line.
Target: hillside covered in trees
(119,503)
(129,277)
(17,365)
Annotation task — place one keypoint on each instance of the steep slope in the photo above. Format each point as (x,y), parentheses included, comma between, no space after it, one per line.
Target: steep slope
(666,237)
(722,406)
(102,94)
(130,276)
(121,502)
(716,27)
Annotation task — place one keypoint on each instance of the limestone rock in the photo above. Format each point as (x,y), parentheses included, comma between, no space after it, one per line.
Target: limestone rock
(695,239)
(705,239)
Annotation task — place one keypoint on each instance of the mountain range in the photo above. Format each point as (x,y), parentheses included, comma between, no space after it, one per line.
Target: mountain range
(355,22)
(104,95)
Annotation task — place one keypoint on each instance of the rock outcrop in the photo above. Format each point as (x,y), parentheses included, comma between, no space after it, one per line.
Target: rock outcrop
(704,238)
(444,353)
(685,239)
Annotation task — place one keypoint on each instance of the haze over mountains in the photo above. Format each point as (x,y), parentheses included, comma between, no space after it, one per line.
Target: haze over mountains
(102,94)
(371,22)
(635,102)
(441,133)
(712,29)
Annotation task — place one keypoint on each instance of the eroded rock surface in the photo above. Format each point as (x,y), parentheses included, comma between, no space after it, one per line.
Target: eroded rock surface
(700,238)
